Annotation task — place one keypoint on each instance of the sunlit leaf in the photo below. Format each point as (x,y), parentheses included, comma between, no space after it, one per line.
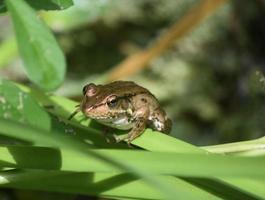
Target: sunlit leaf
(43,4)
(109,185)
(79,149)
(43,59)
(164,163)
(193,162)
(21,107)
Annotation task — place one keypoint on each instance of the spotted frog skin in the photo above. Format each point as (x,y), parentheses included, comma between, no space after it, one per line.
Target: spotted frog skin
(124,105)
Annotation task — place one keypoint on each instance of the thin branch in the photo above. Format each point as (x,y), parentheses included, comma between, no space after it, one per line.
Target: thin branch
(140,60)
(251,147)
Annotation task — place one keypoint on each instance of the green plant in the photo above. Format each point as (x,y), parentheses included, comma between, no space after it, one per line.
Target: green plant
(40,149)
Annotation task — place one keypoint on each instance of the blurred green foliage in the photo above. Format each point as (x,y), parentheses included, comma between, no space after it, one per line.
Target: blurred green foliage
(217,96)
(42,4)
(207,81)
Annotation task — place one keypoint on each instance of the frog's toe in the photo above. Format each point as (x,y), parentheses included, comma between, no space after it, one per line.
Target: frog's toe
(119,138)
(128,141)
(108,140)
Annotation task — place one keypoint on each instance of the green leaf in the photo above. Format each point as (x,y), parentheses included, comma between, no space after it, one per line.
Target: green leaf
(163,163)
(255,186)
(228,191)
(109,185)
(21,107)
(248,148)
(43,4)
(43,59)
(79,149)
(154,141)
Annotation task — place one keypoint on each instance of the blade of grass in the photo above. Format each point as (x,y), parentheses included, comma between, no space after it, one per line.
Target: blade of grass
(166,163)
(52,163)
(223,189)
(109,185)
(80,149)
(254,185)
(145,141)
(239,148)
(56,164)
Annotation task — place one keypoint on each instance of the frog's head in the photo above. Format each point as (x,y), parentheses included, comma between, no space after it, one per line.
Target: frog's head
(100,102)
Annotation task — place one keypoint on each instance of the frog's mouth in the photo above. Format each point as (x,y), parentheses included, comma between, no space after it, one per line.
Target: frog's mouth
(97,115)
(97,110)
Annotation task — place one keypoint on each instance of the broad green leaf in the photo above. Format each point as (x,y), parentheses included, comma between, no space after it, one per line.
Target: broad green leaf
(158,142)
(225,190)
(164,143)
(109,185)
(79,149)
(53,162)
(21,107)
(160,163)
(43,4)
(43,59)
(252,185)
(248,148)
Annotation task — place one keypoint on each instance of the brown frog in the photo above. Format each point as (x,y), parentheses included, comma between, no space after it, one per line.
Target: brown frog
(124,105)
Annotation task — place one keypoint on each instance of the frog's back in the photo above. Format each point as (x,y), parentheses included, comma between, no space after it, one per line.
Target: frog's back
(125,88)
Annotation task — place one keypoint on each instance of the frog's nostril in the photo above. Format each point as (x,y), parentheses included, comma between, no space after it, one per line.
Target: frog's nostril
(91,92)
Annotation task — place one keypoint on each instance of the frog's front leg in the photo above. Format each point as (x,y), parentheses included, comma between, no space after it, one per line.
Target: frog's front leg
(137,130)
(107,134)
(140,119)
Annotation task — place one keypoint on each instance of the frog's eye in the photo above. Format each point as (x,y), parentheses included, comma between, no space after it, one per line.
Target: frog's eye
(90,89)
(84,90)
(112,101)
